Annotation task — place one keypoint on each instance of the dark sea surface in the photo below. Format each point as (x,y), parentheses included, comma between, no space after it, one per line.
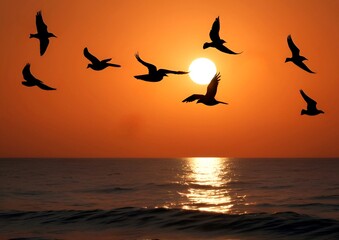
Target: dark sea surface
(183,198)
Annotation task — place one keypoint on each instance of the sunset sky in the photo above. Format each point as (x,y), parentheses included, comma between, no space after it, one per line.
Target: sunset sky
(109,113)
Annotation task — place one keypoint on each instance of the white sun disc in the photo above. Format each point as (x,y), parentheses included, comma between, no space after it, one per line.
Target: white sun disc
(202,70)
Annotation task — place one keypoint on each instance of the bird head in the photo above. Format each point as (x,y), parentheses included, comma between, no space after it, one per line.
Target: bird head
(321,111)
(287,60)
(303,111)
(24,83)
(206,45)
(199,101)
(89,65)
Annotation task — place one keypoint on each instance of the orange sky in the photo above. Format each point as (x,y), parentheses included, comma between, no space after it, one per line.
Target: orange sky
(111,114)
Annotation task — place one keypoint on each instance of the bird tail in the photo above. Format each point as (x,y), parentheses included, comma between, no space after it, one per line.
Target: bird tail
(31,35)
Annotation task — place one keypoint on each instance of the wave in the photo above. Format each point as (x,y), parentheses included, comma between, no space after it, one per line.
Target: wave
(326,197)
(33,238)
(108,190)
(283,224)
(325,206)
(276,187)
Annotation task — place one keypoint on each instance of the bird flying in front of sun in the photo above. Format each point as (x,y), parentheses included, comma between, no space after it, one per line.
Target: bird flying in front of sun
(202,70)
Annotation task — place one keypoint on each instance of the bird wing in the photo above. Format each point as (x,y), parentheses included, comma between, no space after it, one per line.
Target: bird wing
(303,66)
(26,72)
(107,60)
(113,65)
(311,104)
(170,71)
(151,67)
(44,87)
(214,33)
(294,49)
(193,98)
(224,49)
(40,25)
(213,86)
(43,45)
(90,57)
(110,64)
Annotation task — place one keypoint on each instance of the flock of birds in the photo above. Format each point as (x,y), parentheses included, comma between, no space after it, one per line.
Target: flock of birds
(156,75)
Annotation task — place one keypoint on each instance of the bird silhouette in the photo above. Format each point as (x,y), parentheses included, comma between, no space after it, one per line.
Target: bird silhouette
(296,58)
(209,98)
(96,63)
(154,75)
(31,80)
(217,42)
(311,106)
(42,33)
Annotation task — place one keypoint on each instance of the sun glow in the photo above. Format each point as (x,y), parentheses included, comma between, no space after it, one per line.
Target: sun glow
(202,70)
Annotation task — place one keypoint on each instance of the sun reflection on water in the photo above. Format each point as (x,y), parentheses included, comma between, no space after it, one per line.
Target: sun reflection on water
(207,180)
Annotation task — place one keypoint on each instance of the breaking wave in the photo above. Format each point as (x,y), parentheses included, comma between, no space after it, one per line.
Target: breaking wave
(281,224)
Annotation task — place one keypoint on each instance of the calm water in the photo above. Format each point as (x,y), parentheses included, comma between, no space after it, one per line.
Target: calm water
(242,198)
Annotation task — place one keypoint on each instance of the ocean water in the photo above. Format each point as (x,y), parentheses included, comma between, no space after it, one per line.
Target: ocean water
(183,198)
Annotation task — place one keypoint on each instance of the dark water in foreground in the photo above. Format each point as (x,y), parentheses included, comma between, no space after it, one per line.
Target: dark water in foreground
(188,198)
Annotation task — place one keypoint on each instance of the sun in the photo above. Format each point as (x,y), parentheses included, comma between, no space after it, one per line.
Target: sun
(202,70)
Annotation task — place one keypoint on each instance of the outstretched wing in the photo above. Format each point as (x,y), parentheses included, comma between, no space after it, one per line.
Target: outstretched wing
(151,67)
(90,57)
(40,25)
(214,33)
(26,72)
(113,65)
(311,104)
(224,49)
(43,45)
(303,66)
(107,60)
(294,49)
(213,86)
(193,98)
(45,87)
(170,71)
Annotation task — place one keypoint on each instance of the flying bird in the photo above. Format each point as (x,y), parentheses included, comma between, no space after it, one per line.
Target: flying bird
(42,34)
(209,98)
(31,80)
(311,106)
(96,63)
(296,58)
(217,42)
(154,74)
